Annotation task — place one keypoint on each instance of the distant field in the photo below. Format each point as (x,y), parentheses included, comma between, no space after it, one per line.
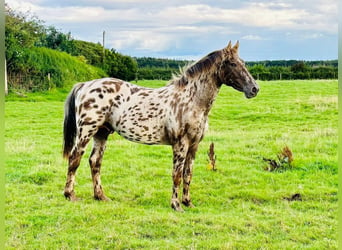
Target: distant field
(240,206)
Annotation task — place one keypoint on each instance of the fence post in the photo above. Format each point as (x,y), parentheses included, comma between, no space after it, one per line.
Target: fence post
(6,86)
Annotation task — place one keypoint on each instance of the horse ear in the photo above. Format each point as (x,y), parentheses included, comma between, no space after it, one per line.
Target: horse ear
(236,46)
(229,47)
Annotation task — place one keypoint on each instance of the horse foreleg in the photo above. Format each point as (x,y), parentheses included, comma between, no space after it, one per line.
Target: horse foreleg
(187,175)
(95,161)
(179,154)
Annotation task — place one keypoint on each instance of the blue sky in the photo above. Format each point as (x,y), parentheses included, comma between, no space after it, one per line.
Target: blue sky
(189,29)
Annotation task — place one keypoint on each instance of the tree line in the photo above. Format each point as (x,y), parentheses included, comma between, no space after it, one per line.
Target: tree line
(40,57)
(292,69)
(158,68)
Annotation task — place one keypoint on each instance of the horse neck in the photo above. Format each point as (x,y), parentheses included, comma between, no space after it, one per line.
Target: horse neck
(206,90)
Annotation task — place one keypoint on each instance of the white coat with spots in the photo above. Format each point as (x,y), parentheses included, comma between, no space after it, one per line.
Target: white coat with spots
(173,115)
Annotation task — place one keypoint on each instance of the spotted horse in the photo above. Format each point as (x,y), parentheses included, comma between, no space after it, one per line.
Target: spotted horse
(175,115)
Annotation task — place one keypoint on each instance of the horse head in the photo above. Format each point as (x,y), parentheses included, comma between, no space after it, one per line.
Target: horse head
(233,72)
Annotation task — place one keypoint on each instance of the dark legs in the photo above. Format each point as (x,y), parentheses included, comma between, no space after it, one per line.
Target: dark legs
(74,162)
(95,161)
(179,154)
(183,157)
(187,175)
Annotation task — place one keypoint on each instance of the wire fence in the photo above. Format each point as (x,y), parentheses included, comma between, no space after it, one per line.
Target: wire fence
(29,82)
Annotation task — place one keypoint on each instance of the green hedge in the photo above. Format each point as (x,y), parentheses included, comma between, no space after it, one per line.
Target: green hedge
(42,69)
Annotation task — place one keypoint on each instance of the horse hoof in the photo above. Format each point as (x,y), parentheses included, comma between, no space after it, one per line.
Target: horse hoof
(71,197)
(176,206)
(102,198)
(188,204)
(178,209)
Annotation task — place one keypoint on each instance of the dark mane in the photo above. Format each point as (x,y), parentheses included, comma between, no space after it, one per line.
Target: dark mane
(203,65)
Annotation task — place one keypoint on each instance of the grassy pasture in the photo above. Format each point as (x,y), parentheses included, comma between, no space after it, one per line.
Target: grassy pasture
(239,206)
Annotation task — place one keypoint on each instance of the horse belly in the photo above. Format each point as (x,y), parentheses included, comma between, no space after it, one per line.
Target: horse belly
(143,130)
(141,133)
(141,118)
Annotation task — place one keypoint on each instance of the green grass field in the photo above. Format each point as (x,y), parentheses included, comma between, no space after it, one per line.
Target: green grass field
(239,206)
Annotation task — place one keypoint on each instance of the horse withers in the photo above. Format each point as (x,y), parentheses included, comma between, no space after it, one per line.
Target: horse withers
(174,115)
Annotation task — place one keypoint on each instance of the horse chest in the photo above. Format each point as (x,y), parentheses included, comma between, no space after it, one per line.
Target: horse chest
(190,124)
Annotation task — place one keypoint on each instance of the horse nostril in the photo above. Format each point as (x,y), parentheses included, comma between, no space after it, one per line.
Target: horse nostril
(255,90)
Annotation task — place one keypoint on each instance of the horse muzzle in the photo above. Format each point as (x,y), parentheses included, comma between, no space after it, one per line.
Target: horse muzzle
(251,91)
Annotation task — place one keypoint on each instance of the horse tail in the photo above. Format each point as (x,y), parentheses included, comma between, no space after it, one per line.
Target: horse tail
(69,129)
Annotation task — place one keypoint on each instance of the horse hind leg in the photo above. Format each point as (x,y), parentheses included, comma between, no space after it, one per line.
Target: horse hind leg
(84,133)
(95,160)
(74,162)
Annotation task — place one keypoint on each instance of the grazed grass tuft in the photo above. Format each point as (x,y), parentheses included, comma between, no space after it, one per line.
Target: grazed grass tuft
(239,206)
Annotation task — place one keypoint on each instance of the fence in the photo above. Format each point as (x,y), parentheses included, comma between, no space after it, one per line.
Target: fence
(295,76)
(29,82)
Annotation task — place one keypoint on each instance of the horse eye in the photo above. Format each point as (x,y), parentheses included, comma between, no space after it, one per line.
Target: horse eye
(233,64)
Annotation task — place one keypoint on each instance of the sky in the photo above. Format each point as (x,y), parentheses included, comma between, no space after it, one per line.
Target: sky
(190,29)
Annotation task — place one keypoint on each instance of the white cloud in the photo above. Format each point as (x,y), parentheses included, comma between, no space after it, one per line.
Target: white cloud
(140,40)
(163,38)
(157,26)
(275,15)
(252,37)
(312,36)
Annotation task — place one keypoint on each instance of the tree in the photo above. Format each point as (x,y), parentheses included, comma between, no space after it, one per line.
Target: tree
(300,70)
(259,71)
(299,67)
(22,30)
(57,40)
(120,66)
(91,51)
(324,72)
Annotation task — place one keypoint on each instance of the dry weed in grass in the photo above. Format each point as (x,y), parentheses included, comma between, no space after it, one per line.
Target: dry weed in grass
(285,158)
(212,157)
